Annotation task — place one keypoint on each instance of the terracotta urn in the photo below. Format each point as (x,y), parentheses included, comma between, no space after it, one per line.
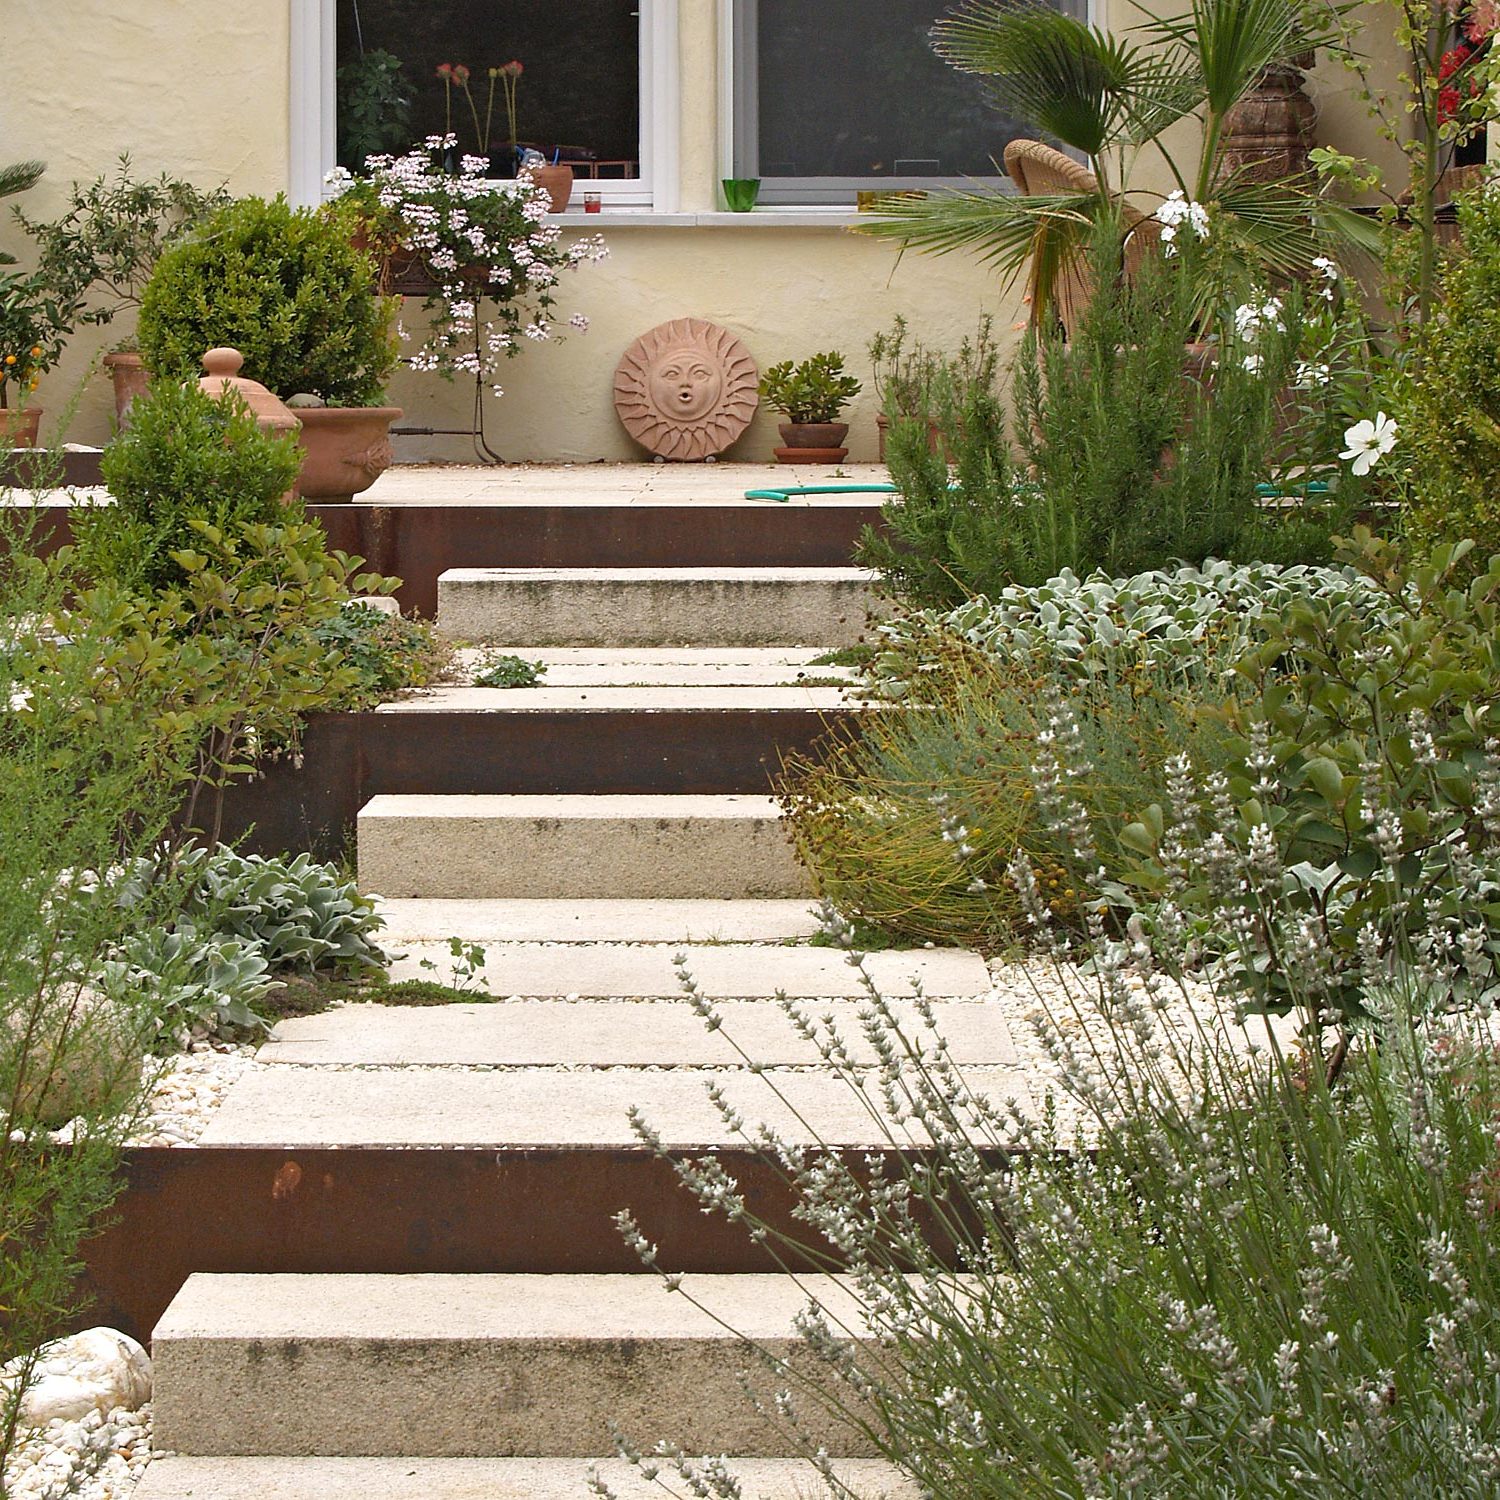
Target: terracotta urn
(347,449)
(131,378)
(813,442)
(557,179)
(19,426)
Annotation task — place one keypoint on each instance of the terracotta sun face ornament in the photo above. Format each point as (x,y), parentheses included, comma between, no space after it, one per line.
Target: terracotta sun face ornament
(687,389)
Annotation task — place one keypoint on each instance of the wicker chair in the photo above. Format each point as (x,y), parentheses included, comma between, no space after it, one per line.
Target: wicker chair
(1039,170)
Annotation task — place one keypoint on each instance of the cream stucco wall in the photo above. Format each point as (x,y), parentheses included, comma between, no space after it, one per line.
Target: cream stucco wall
(201,90)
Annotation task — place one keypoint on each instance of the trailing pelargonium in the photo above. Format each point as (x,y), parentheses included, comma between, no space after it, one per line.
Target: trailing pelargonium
(496,257)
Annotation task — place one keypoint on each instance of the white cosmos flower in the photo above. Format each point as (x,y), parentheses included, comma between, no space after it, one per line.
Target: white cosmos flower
(1368,442)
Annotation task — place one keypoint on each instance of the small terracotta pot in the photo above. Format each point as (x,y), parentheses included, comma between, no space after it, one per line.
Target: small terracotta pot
(18,428)
(557,178)
(131,379)
(813,434)
(348,448)
(811,455)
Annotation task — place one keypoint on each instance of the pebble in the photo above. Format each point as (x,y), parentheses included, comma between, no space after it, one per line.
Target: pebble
(100,1456)
(184,1091)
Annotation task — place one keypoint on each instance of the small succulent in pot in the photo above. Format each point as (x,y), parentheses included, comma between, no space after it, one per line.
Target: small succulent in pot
(811,394)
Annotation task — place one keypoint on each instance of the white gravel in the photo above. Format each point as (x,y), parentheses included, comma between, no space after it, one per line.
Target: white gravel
(185,1090)
(98,1457)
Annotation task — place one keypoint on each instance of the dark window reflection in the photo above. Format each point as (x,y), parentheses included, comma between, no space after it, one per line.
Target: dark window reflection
(578,96)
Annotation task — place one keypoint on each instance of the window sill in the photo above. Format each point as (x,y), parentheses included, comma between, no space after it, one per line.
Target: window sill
(760,218)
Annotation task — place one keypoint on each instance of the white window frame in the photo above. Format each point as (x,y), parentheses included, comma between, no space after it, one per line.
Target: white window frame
(739,124)
(314,64)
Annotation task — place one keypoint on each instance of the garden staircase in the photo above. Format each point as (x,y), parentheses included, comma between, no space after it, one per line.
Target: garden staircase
(432,1300)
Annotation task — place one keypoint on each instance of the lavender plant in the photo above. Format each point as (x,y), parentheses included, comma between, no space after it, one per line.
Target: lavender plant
(1206,1262)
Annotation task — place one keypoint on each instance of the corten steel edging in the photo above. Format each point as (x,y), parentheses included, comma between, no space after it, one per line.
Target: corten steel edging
(311,803)
(418,542)
(26,469)
(392,1211)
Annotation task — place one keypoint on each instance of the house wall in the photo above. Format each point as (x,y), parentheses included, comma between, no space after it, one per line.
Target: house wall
(201,90)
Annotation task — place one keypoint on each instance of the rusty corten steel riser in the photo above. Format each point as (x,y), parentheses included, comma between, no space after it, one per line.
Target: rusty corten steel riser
(349,758)
(417,542)
(406,1212)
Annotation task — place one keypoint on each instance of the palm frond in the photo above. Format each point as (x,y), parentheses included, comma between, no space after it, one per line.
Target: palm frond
(19,177)
(1055,72)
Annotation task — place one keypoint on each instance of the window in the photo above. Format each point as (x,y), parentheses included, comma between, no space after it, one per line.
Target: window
(597,86)
(848,94)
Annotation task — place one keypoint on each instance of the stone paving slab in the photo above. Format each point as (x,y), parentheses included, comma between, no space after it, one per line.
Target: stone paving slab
(554,698)
(615,484)
(480,1479)
(302,1108)
(726,970)
(747,666)
(621,921)
(609,1033)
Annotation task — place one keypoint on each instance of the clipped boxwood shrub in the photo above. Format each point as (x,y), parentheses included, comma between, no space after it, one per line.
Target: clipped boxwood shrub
(285,287)
(185,456)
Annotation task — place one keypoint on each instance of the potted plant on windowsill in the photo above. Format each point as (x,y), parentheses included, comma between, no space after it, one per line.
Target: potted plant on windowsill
(101,252)
(811,394)
(288,289)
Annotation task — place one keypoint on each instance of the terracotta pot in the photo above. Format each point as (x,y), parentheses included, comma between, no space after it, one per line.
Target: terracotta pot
(348,448)
(1269,132)
(131,379)
(557,178)
(18,428)
(813,434)
(811,455)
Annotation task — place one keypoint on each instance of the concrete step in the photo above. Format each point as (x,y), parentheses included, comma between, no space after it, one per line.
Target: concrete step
(523,1108)
(723,970)
(608,1034)
(655,606)
(480,1479)
(637,847)
(481,1366)
(618,921)
(605,666)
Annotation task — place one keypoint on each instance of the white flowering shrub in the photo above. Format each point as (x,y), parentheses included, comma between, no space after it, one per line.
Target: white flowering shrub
(494,252)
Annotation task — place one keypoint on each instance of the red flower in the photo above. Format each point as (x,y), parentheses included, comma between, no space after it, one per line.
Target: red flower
(460,73)
(445,72)
(1449,100)
(1452,60)
(513,69)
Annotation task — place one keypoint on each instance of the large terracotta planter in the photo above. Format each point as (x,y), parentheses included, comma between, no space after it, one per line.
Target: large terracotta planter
(813,442)
(130,378)
(347,449)
(18,428)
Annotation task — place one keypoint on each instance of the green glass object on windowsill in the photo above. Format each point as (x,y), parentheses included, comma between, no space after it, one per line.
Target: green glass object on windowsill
(740,193)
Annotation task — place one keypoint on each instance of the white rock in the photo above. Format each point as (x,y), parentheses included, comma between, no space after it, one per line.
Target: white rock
(88,1373)
(381,602)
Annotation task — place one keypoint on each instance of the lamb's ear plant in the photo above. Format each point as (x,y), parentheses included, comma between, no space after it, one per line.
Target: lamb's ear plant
(1205,1263)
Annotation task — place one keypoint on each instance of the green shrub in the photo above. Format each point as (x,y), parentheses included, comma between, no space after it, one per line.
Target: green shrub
(285,287)
(815,390)
(1362,772)
(953,533)
(388,653)
(185,457)
(1448,409)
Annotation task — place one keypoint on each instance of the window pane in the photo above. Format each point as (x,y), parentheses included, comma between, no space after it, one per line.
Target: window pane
(578,96)
(852,88)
